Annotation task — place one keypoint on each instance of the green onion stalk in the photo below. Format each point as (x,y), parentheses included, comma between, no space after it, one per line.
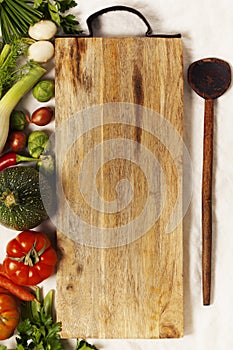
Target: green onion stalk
(15,18)
(13,96)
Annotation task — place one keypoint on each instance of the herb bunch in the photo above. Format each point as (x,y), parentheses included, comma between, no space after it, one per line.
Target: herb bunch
(10,70)
(37,330)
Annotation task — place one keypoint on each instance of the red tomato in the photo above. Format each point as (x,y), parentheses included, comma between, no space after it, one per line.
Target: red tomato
(9,314)
(30,258)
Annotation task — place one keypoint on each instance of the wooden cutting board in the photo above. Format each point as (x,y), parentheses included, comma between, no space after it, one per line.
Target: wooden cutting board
(119,117)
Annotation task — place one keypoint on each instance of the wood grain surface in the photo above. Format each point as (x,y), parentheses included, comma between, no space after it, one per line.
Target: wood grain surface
(119,106)
(207,200)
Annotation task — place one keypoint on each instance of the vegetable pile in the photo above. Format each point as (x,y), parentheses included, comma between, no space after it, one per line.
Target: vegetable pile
(15,83)
(28,29)
(16,16)
(37,329)
(56,11)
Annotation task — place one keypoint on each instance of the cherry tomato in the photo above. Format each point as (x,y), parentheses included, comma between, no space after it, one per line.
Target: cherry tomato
(17,141)
(9,314)
(30,258)
(41,116)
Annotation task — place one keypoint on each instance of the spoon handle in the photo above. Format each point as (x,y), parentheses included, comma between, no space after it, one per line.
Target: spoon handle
(207,200)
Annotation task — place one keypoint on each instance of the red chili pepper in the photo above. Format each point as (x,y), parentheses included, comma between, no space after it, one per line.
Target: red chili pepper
(12,158)
(7,160)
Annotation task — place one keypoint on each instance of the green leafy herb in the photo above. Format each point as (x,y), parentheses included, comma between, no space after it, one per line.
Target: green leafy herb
(83,345)
(10,71)
(37,330)
(56,11)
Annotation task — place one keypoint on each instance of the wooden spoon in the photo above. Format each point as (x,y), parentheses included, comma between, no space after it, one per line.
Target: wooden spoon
(209,78)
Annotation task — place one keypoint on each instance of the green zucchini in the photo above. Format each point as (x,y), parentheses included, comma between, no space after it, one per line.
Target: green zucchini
(23,193)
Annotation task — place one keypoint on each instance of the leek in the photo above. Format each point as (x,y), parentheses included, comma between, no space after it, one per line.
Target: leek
(12,98)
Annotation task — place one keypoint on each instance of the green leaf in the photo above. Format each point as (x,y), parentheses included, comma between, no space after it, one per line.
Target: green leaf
(25,326)
(20,347)
(37,3)
(65,5)
(54,14)
(84,345)
(39,332)
(69,24)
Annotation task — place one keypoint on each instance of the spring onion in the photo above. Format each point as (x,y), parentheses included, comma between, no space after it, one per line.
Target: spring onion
(14,95)
(15,18)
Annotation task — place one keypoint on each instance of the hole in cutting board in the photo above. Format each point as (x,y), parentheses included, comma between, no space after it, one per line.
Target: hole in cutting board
(118,24)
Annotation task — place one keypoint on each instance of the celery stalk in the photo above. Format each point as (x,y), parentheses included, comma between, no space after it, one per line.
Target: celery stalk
(12,98)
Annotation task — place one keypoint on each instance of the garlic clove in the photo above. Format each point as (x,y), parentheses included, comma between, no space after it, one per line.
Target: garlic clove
(41,51)
(43,30)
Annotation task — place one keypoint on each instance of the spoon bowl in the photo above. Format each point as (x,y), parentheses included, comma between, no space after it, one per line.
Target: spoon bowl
(209,77)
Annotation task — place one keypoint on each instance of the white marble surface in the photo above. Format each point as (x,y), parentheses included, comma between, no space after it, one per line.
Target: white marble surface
(207,29)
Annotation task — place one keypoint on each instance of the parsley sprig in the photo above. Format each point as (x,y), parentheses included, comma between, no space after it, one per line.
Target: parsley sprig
(83,345)
(37,330)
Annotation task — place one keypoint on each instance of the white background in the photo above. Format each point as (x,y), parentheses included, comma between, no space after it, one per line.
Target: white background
(207,30)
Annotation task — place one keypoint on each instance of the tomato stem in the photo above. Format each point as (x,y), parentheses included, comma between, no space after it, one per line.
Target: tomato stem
(32,257)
